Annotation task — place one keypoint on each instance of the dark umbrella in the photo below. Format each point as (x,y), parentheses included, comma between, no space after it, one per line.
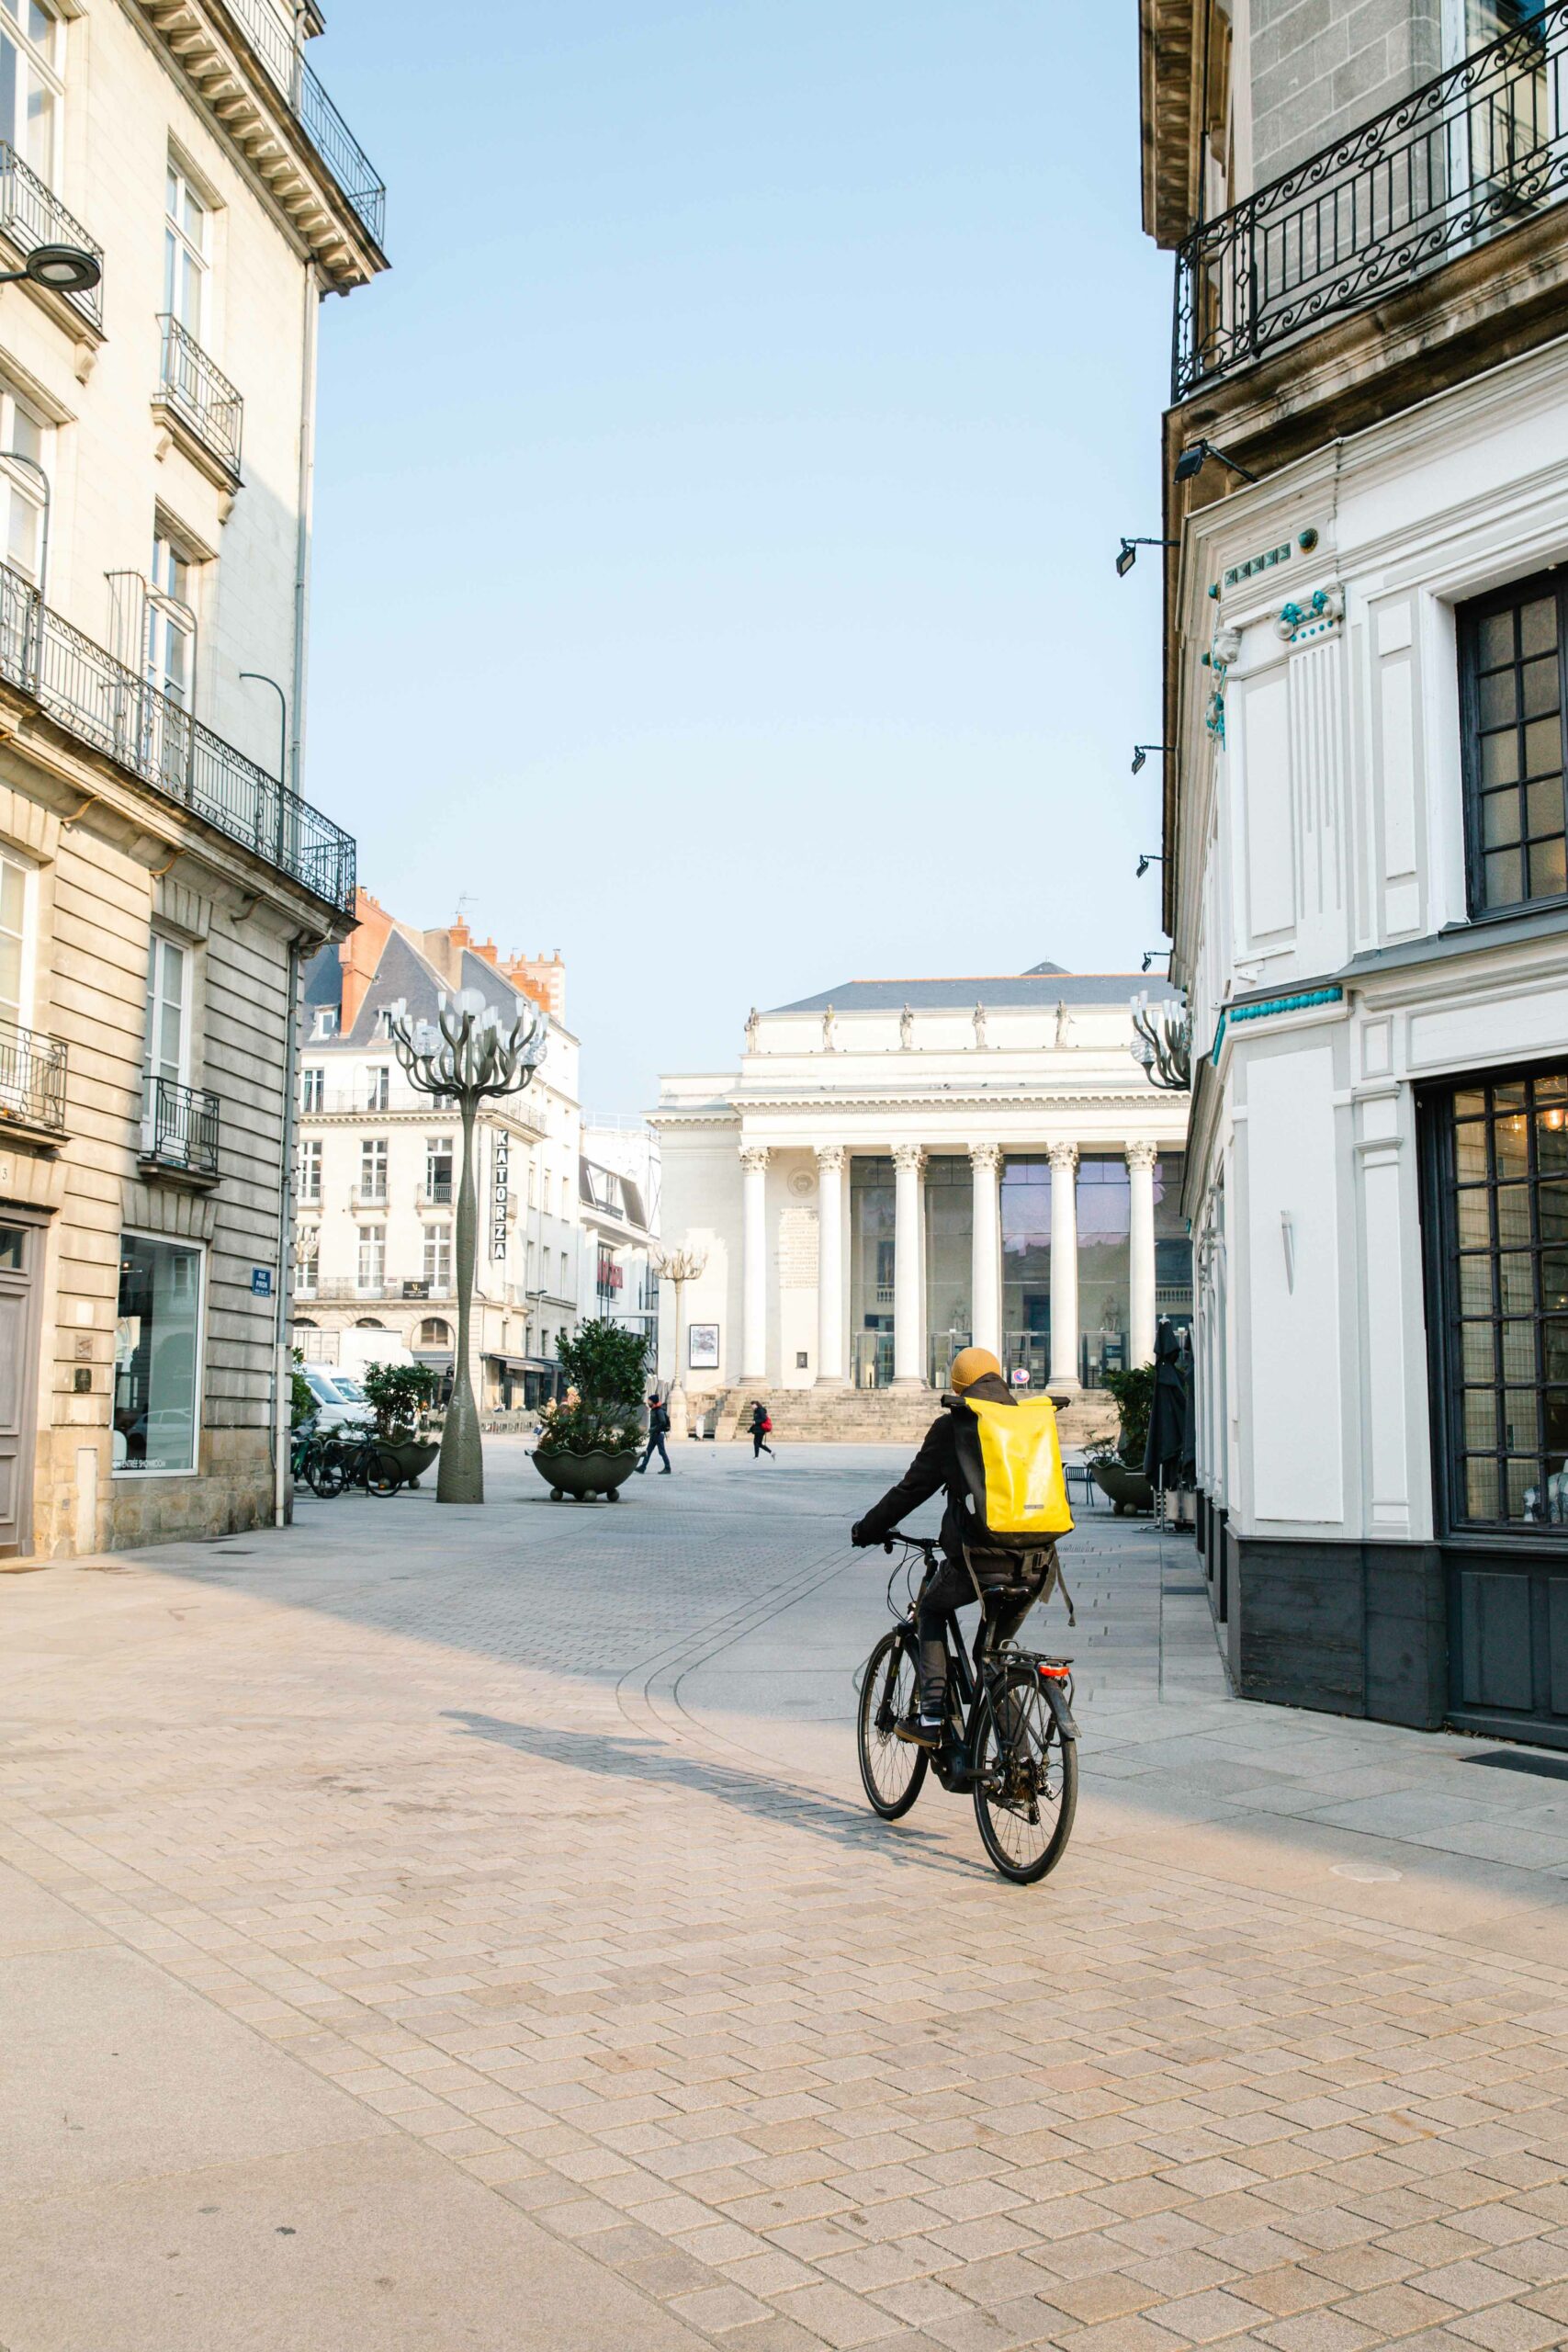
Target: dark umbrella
(1167,1410)
(1187,1466)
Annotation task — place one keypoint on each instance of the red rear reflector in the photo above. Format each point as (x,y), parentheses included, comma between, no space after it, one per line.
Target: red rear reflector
(1056,1673)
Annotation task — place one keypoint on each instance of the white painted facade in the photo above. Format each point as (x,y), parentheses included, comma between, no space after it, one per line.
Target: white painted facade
(969,1084)
(1324,854)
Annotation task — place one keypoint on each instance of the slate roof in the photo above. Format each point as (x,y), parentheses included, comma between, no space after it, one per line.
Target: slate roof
(402,973)
(1046,985)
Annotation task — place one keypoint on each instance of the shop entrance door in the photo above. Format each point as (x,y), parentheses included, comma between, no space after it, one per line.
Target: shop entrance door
(21,1248)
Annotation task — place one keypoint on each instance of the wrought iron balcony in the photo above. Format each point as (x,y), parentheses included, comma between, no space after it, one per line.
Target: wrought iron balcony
(281,51)
(32,1080)
(1473,153)
(104,704)
(200,394)
(32,215)
(179,1129)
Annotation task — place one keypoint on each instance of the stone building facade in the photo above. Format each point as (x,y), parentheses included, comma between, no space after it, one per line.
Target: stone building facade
(160,879)
(899,1167)
(1366,698)
(380,1167)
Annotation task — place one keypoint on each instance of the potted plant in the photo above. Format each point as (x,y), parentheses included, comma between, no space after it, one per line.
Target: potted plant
(590,1439)
(400,1395)
(1117,1464)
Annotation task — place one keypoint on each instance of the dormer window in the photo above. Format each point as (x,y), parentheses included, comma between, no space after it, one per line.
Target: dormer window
(326,1021)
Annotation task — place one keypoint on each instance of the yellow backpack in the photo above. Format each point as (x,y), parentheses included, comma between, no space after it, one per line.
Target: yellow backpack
(1011,1459)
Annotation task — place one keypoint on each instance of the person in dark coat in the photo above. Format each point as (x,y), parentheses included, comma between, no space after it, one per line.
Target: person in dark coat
(1167,1411)
(760,1424)
(936,1469)
(658,1431)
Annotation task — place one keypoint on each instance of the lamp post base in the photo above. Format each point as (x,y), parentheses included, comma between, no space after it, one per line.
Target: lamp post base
(461,1476)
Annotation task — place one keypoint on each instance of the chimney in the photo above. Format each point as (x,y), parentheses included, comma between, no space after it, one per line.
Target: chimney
(360,953)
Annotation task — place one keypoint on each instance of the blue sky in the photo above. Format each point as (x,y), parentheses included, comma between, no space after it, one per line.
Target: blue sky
(716,503)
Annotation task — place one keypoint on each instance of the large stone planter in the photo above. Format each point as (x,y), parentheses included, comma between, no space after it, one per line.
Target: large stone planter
(1128,1489)
(413,1456)
(581,1475)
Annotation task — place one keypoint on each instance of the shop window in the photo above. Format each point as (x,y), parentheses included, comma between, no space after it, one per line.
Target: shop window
(1511,650)
(1496,1207)
(157,1348)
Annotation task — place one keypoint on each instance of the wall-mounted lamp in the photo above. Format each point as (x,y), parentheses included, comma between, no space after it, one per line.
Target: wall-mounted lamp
(1196,456)
(1149,954)
(1141,753)
(1127,555)
(1150,857)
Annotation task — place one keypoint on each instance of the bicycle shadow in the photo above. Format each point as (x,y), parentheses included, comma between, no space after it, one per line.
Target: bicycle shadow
(625,1756)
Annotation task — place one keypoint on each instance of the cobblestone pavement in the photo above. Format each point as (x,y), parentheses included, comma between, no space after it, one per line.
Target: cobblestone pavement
(436,1928)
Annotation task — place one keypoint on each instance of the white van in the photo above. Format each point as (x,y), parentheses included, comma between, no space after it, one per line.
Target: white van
(340,1400)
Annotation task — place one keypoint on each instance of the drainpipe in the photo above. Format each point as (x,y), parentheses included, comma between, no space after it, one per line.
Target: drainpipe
(282,1361)
(306,502)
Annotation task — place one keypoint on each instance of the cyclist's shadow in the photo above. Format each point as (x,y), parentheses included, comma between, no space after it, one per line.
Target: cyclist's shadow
(618,1757)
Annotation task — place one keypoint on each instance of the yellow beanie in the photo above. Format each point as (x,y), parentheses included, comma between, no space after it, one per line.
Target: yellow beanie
(971,1365)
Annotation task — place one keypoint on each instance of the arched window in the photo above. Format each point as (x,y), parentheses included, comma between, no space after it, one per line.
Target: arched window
(434,1333)
(369,1323)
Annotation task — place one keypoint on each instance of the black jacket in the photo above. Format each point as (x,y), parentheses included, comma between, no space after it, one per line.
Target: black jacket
(935,1467)
(658,1420)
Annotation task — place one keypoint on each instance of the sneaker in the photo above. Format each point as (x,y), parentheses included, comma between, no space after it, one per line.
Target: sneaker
(920,1731)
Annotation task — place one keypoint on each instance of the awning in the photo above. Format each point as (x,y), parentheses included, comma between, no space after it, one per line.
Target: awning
(519,1363)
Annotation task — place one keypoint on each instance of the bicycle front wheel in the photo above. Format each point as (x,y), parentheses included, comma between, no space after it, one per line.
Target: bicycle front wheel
(892,1769)
(1026,1778)
(382,1473)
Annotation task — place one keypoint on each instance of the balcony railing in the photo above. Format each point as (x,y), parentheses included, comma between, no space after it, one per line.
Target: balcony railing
(102,703)
(32,215)
(1479,150)
(179,1127)
(32,1078)
(282,53)
(201,393)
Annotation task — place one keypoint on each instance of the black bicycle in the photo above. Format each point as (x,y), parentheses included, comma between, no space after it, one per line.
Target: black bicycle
(1010,1740)
(365,1462)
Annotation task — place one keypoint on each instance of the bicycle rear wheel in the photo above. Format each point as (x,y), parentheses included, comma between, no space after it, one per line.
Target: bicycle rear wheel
(892,1769)
(383,1475)
(325,1471)
(1026,1778)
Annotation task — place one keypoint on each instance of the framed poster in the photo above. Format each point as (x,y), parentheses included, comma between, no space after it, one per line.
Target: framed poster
(702,1347)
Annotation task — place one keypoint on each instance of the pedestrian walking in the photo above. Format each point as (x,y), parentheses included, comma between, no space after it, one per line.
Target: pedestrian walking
(658,1430)
(762,1430)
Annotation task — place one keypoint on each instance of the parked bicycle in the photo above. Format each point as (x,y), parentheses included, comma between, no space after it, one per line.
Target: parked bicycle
(351,1456)
(1011,1739)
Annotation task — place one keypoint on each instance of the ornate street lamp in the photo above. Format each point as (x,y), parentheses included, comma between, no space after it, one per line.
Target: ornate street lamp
(680,1267)
(462,1057)
(1162,1048)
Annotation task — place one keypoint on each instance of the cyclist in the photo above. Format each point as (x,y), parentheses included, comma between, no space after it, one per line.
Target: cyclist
(936,1467)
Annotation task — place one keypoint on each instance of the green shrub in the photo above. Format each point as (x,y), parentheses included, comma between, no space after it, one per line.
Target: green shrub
(399,1393)
(301,1396)
(605,1367)
(1134,1393)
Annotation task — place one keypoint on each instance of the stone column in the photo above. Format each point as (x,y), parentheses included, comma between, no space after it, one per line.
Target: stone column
(985,1266)
(1141,1158)
(1064,1269)
(908,1338)
(830,1158)
(754,1262)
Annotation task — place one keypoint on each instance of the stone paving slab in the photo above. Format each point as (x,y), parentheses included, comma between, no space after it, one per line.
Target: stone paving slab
(532,1836)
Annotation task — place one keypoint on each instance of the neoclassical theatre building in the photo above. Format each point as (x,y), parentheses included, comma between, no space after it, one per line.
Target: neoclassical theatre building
(898,1167)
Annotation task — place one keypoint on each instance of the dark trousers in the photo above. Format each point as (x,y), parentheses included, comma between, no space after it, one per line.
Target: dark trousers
(760,1445)
(953,1587)
(655,1445)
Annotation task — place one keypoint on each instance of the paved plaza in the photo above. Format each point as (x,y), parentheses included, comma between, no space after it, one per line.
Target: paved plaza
(463,1929)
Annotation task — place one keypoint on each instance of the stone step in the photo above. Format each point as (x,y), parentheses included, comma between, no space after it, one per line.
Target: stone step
(880,1416)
